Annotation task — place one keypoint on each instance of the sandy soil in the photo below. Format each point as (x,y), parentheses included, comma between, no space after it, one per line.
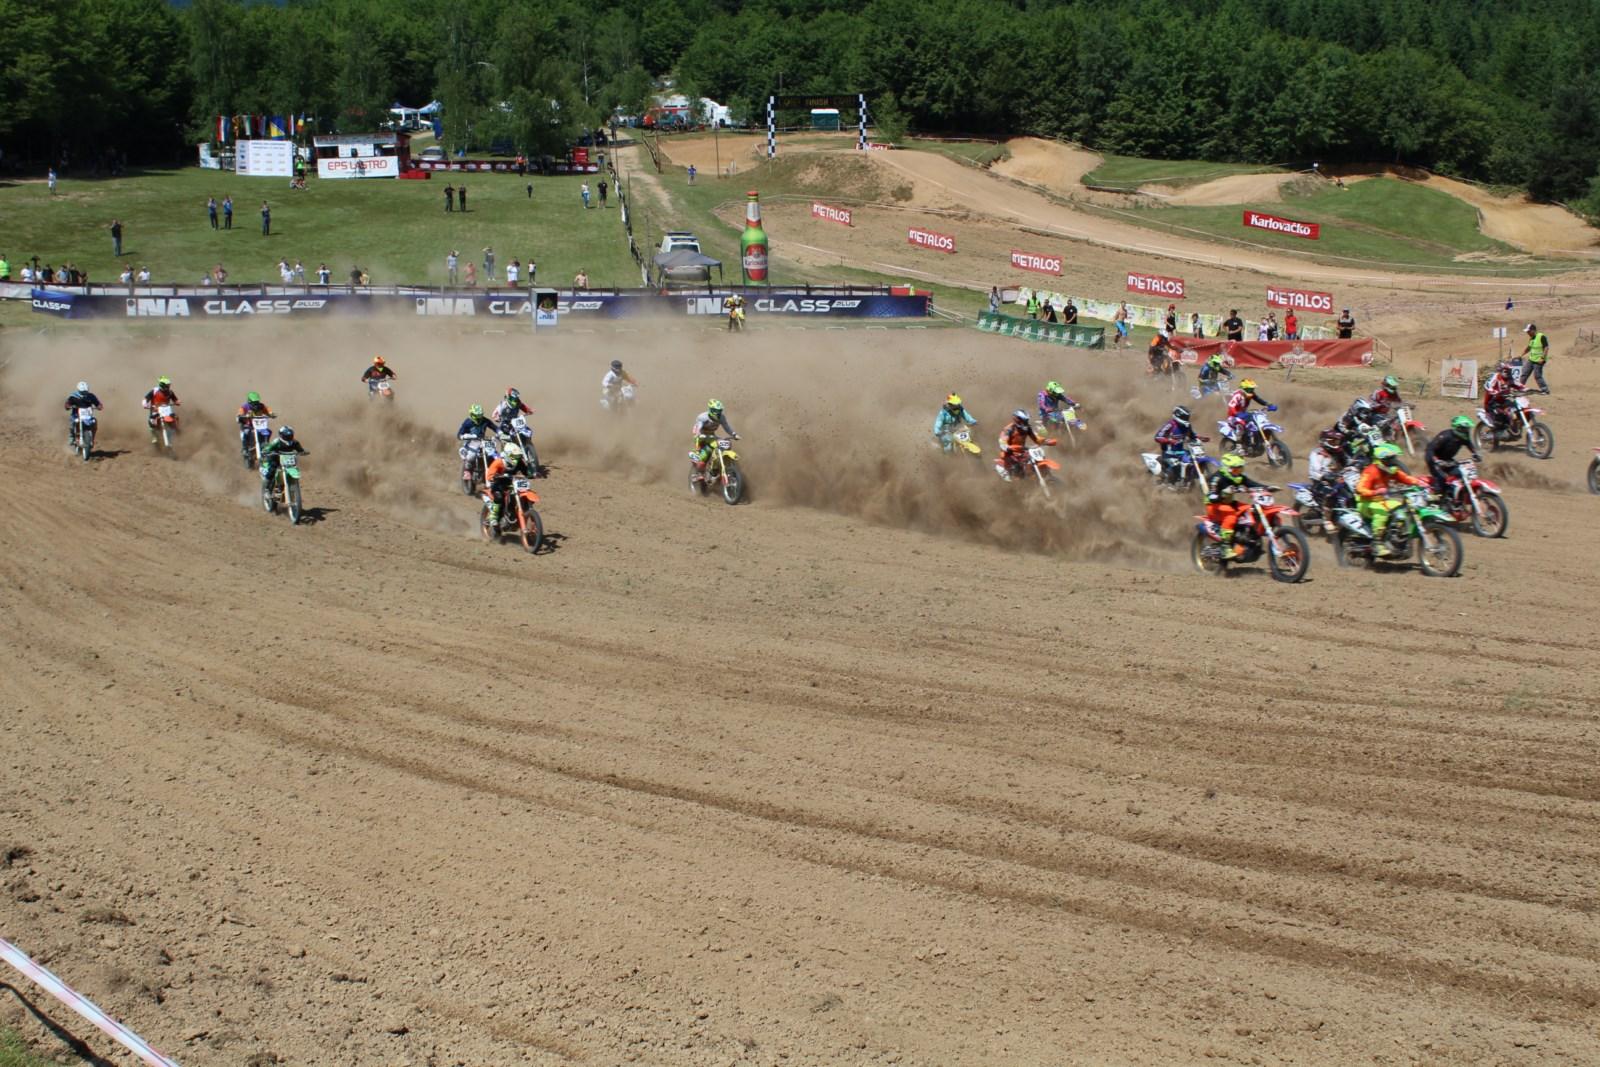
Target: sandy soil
(745,150)
(1235,189)
(1055,166)
(886,766)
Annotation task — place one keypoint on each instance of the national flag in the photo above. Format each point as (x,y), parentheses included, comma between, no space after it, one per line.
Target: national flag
(277,127)
(222,129)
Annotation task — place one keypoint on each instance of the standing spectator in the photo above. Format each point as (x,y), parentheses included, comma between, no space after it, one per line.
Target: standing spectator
(1195,329)
(461,196)
(530,190)
(285,272)
(266,219)
(323,274)
(513,269)
(50,180)
(449,197)
(48,275)
(533,270)
(582,280)
(1233,326)
(1172,320)
(5,268)
(211,210)
(1346,325)
(143,276)
(1534,355)
(27,272)
(1069,314)
(227,212)
(583,191)
(1291,326)
(488,264)
(994,299)
(116,237)
(1120,321)
(1050,312)
(450,263)
(1033,304)
(472,275)
(691,174)
(220,275)
(299,272)
(602,192)
(355,276)
(126,277)
(1263,330)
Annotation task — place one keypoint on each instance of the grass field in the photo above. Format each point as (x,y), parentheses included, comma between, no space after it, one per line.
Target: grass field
(1130,172)
(980,153)
(13,1053)
(397,230)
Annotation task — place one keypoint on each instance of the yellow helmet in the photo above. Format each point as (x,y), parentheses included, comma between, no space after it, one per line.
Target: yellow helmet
(1248,385)
(952,401)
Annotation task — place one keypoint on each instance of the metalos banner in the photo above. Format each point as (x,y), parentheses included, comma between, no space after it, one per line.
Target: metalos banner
(1036,262)
(938,242)
(1300,299)
(829,213)
(1155,285)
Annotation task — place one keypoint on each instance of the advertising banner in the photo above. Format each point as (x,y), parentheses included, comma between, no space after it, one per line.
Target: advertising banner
(938,242)
(1311,231)
(829,213)
(1050,332)
(1458,378)
(359,167)
(1155,285)
(1352,353)
(502,166)
(52,302)
(1036,262)
(264,159)
(1300,299)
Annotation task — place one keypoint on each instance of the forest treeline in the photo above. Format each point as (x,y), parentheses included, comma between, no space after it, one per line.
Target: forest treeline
(1502,91)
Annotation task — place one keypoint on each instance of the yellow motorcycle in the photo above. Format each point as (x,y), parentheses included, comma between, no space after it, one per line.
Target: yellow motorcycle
(721,473)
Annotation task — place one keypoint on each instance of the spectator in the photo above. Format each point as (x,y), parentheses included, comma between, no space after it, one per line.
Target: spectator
(143,276)
(1263,330)
(366,279)
(488,264)
(50,180)
(1049,312)
(530,190)
(27,272)
(1534,355)
(513,271)
(285,273)
(1069,314)
(691,174)
(220,275)
(1291,327)
(266,219)
(1120,321)
(1172,320)
(1033,304)
(583,191)
(227,213)
(472,275)
(994,299)
(450,263)
(323,274)
(48,275)
(533,270)
(299,272)
(582,280)
(1346,325)
(1233,326)
(211,210)
(1195,329)
(5,268)
(116,237)
(126,277)
(461,196)
(355,275)
(602,188)
(449,197)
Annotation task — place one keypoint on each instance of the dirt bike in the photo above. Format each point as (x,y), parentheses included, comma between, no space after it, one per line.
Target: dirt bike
(618,401)
(951,440)
(518,516)
(1594,473)
(83,429)
(1215,384)
(1062,419)
(520,432)
(284,487)
(1034,461)
(736,319)
(1260,437)
(1410,429)
(251,439)
(1524,426)
(1319,504)
(1192,473)
(1475,500)
(380,388)
(1417,520)
(1265,529)
(164,424)
(476,455)
(721,471)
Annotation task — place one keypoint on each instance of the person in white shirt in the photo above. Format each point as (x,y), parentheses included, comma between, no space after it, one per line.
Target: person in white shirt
(285,272)
(513,269)
(299,272)
(27,273)
(126,277)
(1261,330)
(144,275)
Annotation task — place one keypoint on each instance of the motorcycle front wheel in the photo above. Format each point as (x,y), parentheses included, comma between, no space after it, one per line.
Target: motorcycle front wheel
(1493,516)
(733,485)
(1294,558)
(86,444)
(1541,440)
(1206,555)
(467,484)
(1439,551)
(532,530)
(1594,475)
(1278,454)
(293,498)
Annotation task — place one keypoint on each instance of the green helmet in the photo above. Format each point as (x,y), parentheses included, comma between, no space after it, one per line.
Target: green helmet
(1386,456)
(1462,425)
(163,381)
(1054,388)
(714,407)
(252,398)
(475,411)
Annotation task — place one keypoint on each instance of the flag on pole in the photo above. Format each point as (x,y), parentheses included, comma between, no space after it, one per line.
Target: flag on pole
(222,129)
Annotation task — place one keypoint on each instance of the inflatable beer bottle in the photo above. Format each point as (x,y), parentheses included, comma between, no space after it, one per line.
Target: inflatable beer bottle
(753,242)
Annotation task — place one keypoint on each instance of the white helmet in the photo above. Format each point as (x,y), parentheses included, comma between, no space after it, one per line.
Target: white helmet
(512,452)
(83,387)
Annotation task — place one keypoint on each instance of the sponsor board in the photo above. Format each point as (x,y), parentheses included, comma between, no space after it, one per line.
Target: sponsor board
(829,213)
(263,159)
(1458,378)
(51,302)
(1036,262)
(359,167)
(1155,285)
(1255,354)
(1300,299)
(938,242)
(1311,231)
(501,166)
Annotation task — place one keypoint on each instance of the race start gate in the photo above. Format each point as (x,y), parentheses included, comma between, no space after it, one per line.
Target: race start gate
(801,102)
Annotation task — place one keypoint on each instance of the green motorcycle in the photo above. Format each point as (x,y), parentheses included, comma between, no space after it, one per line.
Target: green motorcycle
(1417,521)
(284,488)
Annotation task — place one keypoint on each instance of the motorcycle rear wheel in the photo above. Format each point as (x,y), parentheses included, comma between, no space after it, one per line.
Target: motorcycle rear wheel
(1295,560)
(1483,439)
(1594,475)
(1206,555)
(1439,551)
(1493,517)
(1541,442)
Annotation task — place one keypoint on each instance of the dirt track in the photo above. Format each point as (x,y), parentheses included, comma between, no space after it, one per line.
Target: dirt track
(914,775)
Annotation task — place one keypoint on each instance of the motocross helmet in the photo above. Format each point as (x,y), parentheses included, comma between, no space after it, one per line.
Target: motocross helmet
(377,361)
(616,364)
(1362,408)
(1233,465)
(286,432)
(1181,414)
(512,394)
(512,453)
(83,387)
(1054,389)
(1332,440)
(475,413)
(163,381)
(1387,457)
(1248,385)
(1019,416)
(1216,359)
(252,398)
(1462,426)
(1392,384)
(952,403)
(713,408)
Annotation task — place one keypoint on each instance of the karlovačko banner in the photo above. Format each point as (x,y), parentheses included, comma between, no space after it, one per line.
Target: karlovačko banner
(1311,231)
(1155,285)
(1350,353)
(1300,299)
(938,242)
(509,303)
(829,213)
(1036,262)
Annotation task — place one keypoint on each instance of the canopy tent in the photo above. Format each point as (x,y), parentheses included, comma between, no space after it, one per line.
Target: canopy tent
(430,108)
(685,265)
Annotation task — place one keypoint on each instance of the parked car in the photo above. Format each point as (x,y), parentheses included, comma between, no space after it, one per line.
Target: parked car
(676,240)
(432,152)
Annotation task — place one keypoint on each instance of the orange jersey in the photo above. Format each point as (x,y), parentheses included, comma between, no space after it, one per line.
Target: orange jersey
(1375,481)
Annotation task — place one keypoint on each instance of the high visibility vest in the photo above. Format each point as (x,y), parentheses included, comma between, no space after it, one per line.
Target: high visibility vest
(1536,347)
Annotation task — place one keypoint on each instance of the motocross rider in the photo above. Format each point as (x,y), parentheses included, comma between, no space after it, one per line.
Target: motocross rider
(377,372)
(1173,436)
(615,379)
(1498,393)
(1372,492)
(498,479)
(1213,373)
(1159,355)
(1360,416)
(476,425)
(76,400)
(1054,402)
(733,306)
(1385,398)
(1239,403)
(253,407)
(1444,448)
(161,394)
(270,452)
(951,416)
(1014,440)
(1325,469)
(1221,508)
(510,407)
(706,425)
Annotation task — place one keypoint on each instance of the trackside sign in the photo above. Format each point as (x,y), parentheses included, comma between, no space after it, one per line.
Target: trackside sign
(829,213)
(1155,285)
(938,242)
(1300,299)
(1036,262)
(1311,231)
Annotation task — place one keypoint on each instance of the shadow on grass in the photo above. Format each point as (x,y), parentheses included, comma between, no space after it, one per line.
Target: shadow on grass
(61,1033)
